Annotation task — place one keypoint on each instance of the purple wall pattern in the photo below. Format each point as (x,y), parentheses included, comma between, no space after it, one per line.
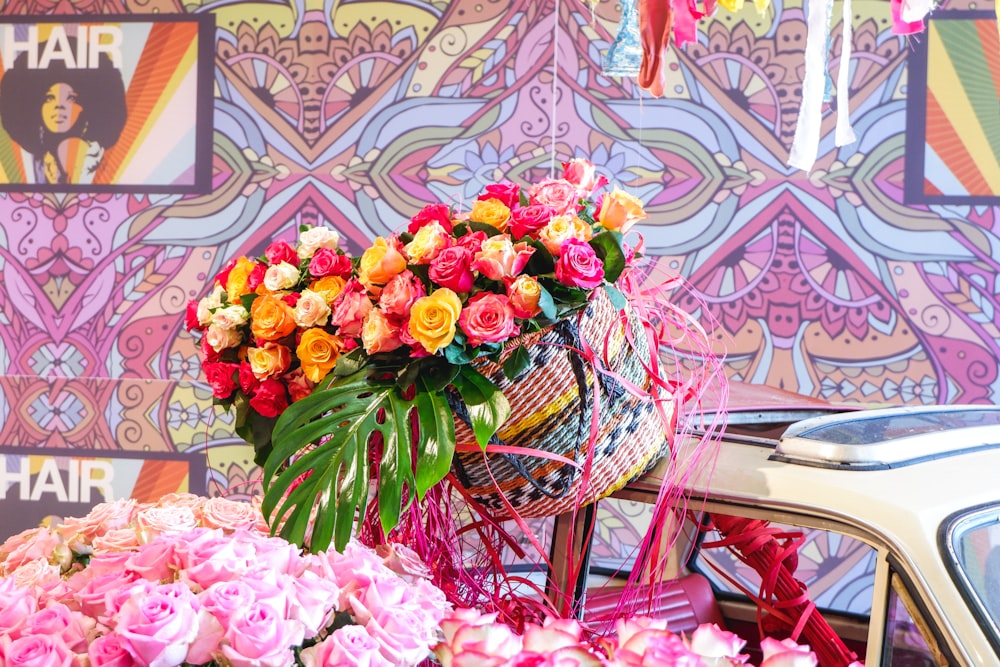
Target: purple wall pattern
(355,114)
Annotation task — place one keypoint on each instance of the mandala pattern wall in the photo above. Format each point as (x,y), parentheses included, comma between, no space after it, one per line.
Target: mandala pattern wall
(356,113)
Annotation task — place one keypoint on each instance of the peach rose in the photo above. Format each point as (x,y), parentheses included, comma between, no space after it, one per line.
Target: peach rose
(314,238)
(270,360)
(557,193)
(379,264)
(488,318)
(350,308)
(228,514)
(583,174)
(220,339)
(271,318)
(299,386)
(117,539)
(619,211)
(492,212)
(378,334)
(318,351)
(155,521)
(399,294)
(230,317)
(433,319)
(312,309)
(525,293)
(500,259)
(561,228)
(427,243)
(209,303)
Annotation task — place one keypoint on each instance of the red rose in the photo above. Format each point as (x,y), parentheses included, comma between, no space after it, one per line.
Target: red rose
(528,220)
(208,353)
(508,193)
(221,377)
(291,298)
(256,277)
(488,318)
(271,398)
(578,265)
(280,251)
(191,322)
(431,213)
(248,381)
(328,262)
(472,240)
(452,268)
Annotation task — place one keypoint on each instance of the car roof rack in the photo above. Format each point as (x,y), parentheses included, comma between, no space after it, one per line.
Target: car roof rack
(884,438)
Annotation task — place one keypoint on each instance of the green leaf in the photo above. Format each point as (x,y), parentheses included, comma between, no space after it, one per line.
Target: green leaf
(436,446)
(546,303)
(618,299)
(456,353)
(608,246)
(341,420)
(247,300)
(488,407)
(490,230)
(351,362)
(516,363)
(541,261)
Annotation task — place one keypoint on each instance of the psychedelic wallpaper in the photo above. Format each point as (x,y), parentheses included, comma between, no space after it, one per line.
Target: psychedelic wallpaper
(356,113)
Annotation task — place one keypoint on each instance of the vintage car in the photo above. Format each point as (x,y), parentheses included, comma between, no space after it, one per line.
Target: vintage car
(894,514)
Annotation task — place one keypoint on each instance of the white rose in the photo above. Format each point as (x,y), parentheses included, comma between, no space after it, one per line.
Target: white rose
(281,276)
(230,317)
(311,310)
(315,238)
(208,304)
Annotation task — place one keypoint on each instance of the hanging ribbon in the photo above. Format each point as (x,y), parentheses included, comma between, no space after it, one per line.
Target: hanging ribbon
(905,25)
(845,133)
(624,56)
(805,145)
(655,23)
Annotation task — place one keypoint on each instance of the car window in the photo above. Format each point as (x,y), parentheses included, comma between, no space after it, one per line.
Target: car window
(973,549)
(838,570)
(908,641)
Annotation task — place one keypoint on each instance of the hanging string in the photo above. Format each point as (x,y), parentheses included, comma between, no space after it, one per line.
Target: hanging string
(555,90)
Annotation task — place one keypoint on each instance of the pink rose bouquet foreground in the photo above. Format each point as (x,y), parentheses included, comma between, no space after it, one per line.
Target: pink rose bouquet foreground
(193,581)
(472,639)
(335,365)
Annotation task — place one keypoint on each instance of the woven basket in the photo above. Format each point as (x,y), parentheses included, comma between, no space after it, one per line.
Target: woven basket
(551,410)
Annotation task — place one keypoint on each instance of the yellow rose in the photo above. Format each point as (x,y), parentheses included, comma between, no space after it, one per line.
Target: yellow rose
(271,318)
(427,243)
(433,318)
(269,361)
(525,293)
(236,283)
(620,210)
(318,351)
(329,287)
(379,264)
(561,228)
(492,212)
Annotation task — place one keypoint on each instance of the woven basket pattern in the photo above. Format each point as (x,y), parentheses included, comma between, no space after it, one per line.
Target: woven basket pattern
(551,410)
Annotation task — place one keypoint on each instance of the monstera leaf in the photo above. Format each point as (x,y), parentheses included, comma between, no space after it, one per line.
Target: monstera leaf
(329,435)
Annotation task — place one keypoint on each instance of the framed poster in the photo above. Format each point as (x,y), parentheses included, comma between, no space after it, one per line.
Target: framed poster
(36,483)
(953,111)
(106,104)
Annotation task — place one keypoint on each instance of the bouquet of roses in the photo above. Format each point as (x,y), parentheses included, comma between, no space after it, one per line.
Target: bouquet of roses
(192,581)
(333,362)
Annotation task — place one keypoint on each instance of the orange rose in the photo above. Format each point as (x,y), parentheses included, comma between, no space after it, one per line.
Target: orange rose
(271,318)
(269,361)
(525,293)
(318,351)
(236,284)
(620,210)
(379,264)
(492,212)
(561,228)
(329,287)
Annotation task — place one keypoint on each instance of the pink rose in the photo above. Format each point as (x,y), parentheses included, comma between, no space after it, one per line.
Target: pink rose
(280,251)
(299,386)
(157,628)
(488,318)
(154,561)
(554,634)
(313,601)
(557,193)
(224,598)
(439,213)
(16,605)
(579,265)
(208,556)
(35,651)
(191,320)
(452,268)
(472,639)
(109,651)
(646,642)
(256,277)
(500,259)
(386,591)
(258,636)
(271,399)
(248,381)
(118,539)
(349,646)
(328,262)
(399,294)
(506,192)
(27,546)
(350,308)
(710,641)
(93,593)
(529,220)
(583,174)
(57,620)
(155,521)
(404,561)
(473,241)
(221,376)
(786,653)
(353,570)
(404,635)
(39,572)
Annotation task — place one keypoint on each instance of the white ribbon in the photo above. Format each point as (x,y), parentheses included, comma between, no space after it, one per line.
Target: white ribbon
(805,145)
(845,133)
(915,10)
